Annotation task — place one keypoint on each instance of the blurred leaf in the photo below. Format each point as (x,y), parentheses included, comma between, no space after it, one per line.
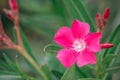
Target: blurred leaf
(114,39)
(47,71)
(77,9)
(88,79)
(108,58)
(69,73)
(57,74)
(84,12)
(27,46)
(10,77)
(113,69)
(86,71)
(11,71)
(58,7)
(51,48)
(72,10)
(54,64)
(15,35)
(45,24)
(99,66)
(34,6)
(9,63)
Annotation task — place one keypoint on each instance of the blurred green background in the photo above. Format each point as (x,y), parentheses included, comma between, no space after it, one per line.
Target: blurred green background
(39,20)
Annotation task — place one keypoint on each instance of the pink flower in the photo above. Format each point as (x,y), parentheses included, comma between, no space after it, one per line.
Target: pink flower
(78,44)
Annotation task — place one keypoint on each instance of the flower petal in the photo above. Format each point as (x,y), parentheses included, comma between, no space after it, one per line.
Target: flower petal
(93,41)
(64,37)
(86,57)
(80,29)
(66,57)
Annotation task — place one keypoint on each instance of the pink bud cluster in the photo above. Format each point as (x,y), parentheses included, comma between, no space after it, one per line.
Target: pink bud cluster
(13,12)
(101,20)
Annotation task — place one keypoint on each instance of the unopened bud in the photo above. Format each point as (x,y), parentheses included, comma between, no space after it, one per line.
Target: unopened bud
(107,45)
(8,13)
(106,14)
(98,15)
(13,5)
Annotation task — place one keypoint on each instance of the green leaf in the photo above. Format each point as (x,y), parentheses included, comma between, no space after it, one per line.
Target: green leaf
(86,71)
(45,24)
(108,58)
(114,39)
(113,69)
(10,77)
(51,48)
(84,12)
(78,11)
(9,63)
(47,71)
(27,46)
(88,79)
(69,74)
(15,35)
(57,74)
(99,66)
(54,64)
(72,10)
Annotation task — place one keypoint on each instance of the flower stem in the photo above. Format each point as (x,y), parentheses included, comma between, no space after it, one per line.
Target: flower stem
(35,65)
(99,67)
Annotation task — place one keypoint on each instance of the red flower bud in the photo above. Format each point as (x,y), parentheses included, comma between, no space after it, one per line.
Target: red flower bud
(98,15)
(106,45)
(8,13)
(106,14)
(13,5)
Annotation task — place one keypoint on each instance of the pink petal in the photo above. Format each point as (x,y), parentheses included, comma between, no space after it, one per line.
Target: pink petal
(86,57)
(66,57)
(93,41)
(64,37)
(80,29)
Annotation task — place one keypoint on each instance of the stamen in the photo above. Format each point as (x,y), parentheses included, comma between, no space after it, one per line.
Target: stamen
(79,45)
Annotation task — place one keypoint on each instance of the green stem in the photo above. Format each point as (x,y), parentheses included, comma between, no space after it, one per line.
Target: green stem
(99,67)
(35,65)
(112,68)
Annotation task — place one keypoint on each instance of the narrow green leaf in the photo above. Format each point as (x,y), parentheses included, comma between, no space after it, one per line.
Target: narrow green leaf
(27,46)
(72,10)
(10,77)
(81,8)
(4,66)
(86,71)
(108,58)
(115,39)
(69,74)
(88,79)
(15,35)
(10,64)
(57,74)
(47,71)
(113,69)
(51,48)
(99,67)
(7,72)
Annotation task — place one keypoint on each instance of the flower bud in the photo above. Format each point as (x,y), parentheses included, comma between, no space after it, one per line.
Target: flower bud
(106,14)
(8,13)
(106,45)
(13,5)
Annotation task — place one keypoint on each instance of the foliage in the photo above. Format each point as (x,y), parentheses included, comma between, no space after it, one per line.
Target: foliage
(42,18)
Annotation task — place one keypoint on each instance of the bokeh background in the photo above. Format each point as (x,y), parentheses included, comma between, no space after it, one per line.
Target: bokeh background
(39,20)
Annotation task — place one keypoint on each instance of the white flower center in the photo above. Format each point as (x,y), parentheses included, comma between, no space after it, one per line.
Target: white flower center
(79,45)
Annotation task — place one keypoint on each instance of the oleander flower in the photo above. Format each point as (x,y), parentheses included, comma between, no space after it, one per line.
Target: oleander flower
(79,45)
